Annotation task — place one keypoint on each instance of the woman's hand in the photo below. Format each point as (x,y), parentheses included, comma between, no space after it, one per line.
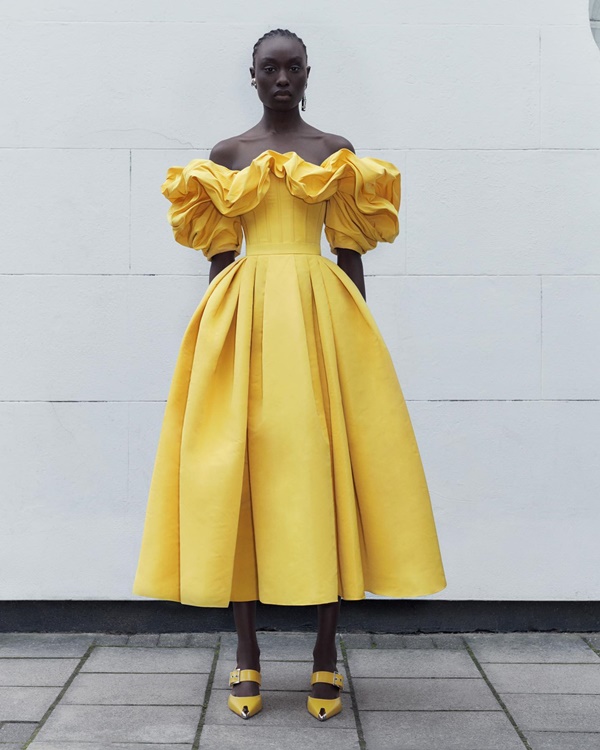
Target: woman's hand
(220,261)
(350,261)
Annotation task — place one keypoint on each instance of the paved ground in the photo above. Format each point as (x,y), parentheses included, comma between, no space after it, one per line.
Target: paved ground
(471,691)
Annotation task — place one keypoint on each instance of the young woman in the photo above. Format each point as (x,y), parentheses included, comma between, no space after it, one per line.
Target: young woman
(287,468)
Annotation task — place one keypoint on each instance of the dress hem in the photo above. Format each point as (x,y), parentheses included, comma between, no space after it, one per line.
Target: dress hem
(394,596)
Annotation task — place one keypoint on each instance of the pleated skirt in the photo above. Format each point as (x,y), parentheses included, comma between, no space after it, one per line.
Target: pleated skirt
(287,469)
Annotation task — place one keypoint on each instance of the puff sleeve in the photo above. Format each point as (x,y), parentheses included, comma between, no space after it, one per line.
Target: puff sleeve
(364,209)
(196,221)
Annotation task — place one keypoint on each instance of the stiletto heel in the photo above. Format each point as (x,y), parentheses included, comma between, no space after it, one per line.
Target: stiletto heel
(244,705)
(325,708)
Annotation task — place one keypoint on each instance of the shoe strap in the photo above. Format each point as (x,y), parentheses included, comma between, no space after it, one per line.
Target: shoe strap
(243,675)
(333,678)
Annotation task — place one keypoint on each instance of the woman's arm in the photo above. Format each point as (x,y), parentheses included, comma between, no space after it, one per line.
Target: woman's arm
(220,261)
(350,261)
(221,154)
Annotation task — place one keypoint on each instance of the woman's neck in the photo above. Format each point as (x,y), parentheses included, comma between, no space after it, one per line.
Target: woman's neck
(279,123)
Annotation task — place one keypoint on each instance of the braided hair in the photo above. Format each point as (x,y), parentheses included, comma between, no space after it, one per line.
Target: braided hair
(277,32)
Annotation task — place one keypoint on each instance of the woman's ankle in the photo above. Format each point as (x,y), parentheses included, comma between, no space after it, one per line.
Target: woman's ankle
(325,659)
(248,656)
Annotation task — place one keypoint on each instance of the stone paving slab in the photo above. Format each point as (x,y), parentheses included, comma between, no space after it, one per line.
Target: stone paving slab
(174,639)
(36,672)
(203,640)
(439,730)
(449,640)
(545,678)
(102,746)
(108,724)
(277,738)
(531,647)
(555,713)
(277,646)
(276,638)
(358,640)
(391,640)
(411,663)
(276,675)
(44,644)
(279,709)
(143,639)
(19,733)
(111,639)
(137,689)
(141,659)
(442,694)
(26,703)
(593,638)
(280,654)
(562,741)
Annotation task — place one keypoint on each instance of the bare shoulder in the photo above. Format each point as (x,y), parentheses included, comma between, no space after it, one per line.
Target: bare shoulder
(336,142)
(224,152)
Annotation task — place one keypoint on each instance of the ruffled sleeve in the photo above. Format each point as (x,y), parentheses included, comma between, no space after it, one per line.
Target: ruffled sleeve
(364,209)
(194,192)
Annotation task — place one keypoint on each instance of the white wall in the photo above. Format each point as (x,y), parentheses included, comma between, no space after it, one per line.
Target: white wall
(489,299)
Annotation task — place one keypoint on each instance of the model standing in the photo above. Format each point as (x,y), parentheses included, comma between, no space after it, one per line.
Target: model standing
(287,469)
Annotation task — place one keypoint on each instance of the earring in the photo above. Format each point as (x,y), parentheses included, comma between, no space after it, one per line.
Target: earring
(303,102)
(253,82)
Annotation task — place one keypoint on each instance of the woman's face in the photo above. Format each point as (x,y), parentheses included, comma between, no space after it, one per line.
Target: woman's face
(281,72)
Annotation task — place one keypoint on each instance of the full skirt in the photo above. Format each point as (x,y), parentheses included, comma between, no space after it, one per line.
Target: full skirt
(287,468)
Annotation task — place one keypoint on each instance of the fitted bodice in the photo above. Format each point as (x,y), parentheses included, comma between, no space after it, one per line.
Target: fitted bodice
(283,224)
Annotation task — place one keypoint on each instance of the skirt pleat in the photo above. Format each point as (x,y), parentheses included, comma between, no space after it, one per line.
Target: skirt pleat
(287,468)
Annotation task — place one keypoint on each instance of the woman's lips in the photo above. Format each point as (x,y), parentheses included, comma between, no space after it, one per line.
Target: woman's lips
(282,95)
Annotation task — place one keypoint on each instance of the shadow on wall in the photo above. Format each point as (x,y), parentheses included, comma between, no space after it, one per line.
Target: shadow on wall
(595,20)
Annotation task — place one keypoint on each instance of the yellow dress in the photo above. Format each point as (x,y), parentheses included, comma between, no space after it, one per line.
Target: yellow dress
(287,468)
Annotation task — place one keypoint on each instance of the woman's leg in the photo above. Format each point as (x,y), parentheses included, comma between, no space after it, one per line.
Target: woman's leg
(325,652)
(248,652)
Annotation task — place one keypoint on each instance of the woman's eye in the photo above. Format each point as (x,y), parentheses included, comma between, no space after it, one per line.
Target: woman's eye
(269,69)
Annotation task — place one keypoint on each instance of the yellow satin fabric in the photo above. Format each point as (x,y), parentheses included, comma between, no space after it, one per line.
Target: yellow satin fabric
(359,195)
(287,468)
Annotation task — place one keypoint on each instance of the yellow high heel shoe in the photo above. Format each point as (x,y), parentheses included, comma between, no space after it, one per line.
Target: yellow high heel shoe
(244,705)
(325,708)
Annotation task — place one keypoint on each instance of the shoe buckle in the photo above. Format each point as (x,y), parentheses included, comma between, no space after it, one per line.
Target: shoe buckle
(234,677)
(338,680)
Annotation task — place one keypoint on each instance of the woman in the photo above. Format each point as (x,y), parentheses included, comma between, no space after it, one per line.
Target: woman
(287,469)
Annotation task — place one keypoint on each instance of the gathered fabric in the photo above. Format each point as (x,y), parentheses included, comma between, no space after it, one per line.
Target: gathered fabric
(287,468)
(362,196)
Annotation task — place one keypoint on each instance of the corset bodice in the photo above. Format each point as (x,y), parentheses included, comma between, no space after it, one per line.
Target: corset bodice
(282,223)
